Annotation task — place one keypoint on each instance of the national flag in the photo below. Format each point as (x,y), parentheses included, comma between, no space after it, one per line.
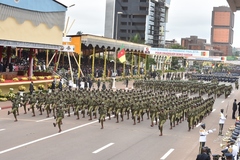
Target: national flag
(121,54)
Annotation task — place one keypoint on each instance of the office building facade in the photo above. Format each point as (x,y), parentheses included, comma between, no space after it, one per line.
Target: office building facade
(126,18)
(193,43)
(222,29)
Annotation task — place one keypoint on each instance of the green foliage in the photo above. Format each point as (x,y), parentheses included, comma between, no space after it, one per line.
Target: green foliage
(137,39)
(79,33)
(177,46)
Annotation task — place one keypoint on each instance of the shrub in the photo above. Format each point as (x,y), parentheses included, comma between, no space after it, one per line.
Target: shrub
(2,80)
(22,88)
(41,87)
(15,79)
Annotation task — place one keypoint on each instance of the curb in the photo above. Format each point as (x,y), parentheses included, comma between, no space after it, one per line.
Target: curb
(6,107)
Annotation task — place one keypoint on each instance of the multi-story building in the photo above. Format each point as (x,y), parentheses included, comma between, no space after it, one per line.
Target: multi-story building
(126,18)
(234,5)
(170,43)
(222,29)
(193,43)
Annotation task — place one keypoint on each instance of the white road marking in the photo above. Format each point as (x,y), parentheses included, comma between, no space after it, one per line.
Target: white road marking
(198,124)
(44,119)
(47,137)
(222,101)
(51,118)
(2,130)
(167,154)
(213,110)
(104,147)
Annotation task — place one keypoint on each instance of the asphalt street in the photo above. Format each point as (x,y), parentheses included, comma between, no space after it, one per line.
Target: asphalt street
(36,138)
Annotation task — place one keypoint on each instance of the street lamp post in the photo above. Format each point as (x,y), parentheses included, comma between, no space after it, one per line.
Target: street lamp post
(115,54)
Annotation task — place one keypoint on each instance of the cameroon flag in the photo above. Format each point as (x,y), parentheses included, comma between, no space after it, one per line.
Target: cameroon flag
(121,55)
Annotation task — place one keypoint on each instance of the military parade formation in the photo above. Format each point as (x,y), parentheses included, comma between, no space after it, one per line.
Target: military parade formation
(158,100)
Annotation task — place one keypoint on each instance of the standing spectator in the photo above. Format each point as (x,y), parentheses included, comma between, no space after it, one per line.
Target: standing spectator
(10,66)
(238,108)
(127,82)
(98,83)
(203,155)
(90,83)
(31,87)
(60,85)
(103,86)
(1,67)
(221,122)
(53,85)
(234,108)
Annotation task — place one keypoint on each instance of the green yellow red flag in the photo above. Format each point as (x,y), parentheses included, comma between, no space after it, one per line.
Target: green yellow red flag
(121,55)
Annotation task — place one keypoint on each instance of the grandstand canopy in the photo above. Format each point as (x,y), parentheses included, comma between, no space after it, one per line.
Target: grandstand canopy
(101,44)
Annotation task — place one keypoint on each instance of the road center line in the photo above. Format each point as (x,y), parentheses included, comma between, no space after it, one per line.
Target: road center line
(213,110)
(104,147)
(167,154)
(2,130)
(47,137)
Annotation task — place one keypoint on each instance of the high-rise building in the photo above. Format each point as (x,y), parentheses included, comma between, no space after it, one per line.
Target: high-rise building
(234,5)
(126,18)
(222,29)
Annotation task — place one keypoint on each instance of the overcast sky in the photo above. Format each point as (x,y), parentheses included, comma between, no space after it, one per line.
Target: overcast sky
(186,18)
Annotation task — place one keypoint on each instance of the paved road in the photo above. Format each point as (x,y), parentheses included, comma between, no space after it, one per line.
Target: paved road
(36,138)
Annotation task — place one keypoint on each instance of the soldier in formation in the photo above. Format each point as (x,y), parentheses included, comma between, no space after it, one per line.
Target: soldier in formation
(157,99)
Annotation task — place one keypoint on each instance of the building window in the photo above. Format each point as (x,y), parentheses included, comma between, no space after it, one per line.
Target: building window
(124,8)
(143,0)
(123,30)
(138,24)
(124,0)
(143,8)
(124,16)
(129,23)
(124,23)
(139,16)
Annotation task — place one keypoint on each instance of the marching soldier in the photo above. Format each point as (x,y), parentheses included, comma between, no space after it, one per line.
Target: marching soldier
(24,103)
(162,116)
(32,102)
(59,116)
(15,105)
(236,84)
(102,112)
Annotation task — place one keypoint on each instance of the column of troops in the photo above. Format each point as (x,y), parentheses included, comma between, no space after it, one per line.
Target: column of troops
(157,100)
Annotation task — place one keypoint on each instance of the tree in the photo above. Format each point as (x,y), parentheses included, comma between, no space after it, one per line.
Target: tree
(137,39)
(79,33)
(177,46)
(174,62)
(150,61)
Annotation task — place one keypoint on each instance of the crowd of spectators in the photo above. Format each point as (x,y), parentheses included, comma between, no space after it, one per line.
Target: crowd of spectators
(22,63)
